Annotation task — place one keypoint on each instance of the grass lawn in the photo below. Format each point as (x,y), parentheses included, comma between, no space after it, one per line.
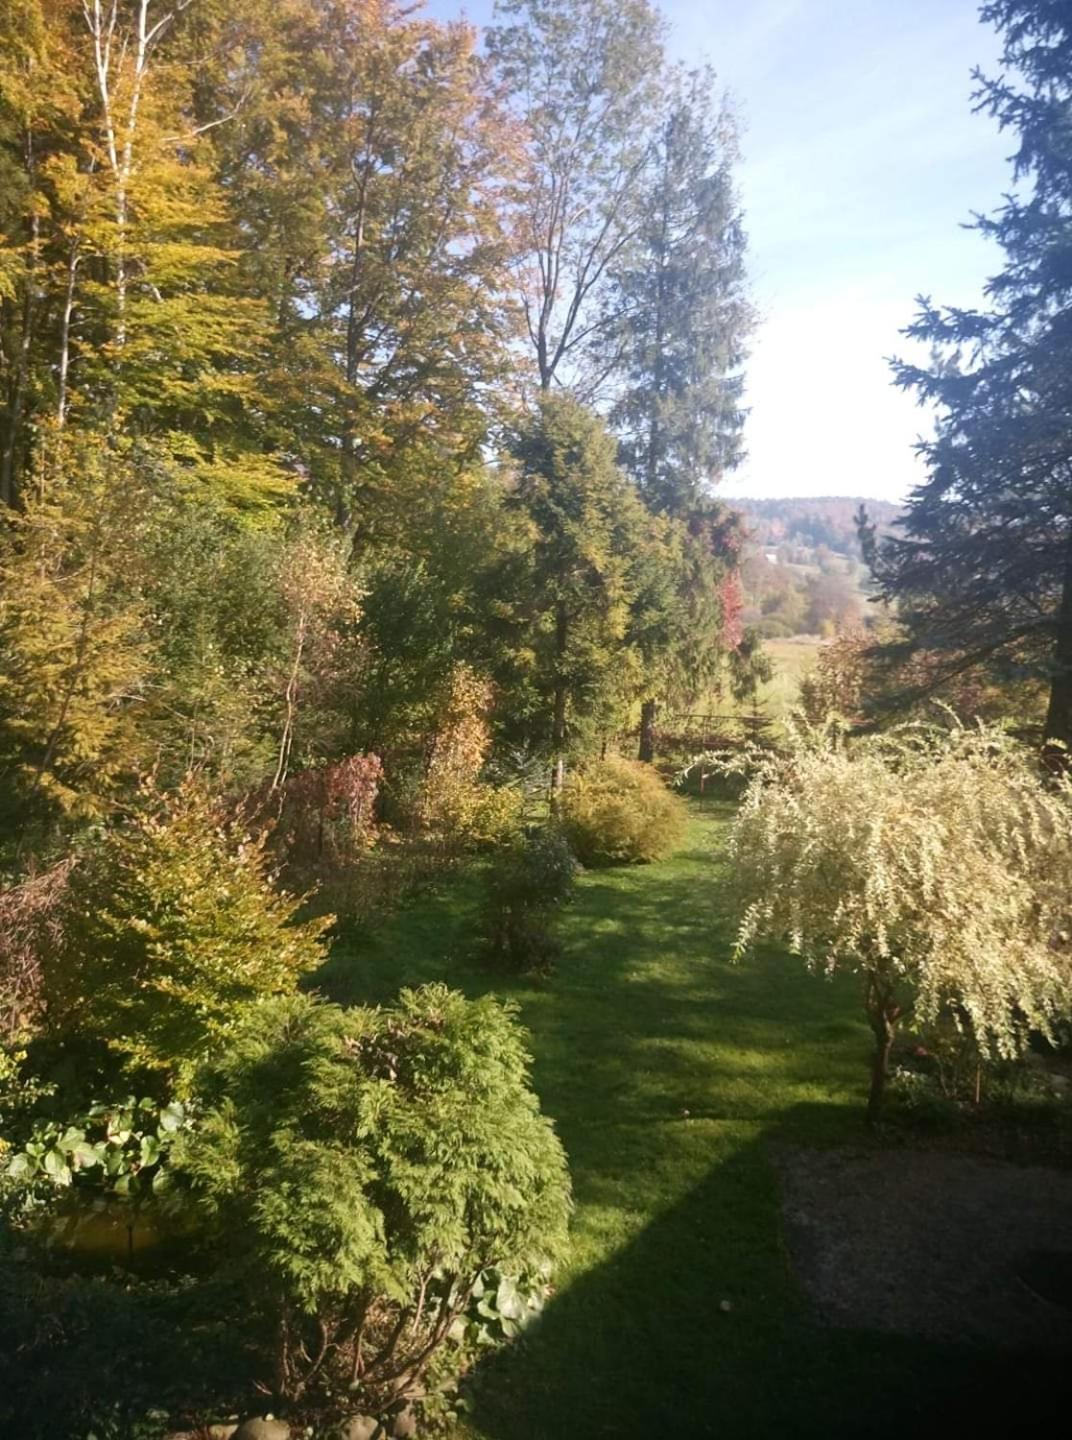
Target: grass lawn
(671,1072)
(792,659)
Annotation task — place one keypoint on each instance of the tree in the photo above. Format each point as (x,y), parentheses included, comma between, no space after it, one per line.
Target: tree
(935,865)
(384,259)
(678,314)
(74,631)
(679,308)
(168,924)
(126,304)
(584,522)
(584,75)
(982,574)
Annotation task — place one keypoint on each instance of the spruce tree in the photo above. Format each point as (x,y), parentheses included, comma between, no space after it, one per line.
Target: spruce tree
(982,572)
(587,538)
(682,322)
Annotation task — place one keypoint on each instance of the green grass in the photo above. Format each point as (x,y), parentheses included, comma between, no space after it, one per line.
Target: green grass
(671,1072)
(792,659)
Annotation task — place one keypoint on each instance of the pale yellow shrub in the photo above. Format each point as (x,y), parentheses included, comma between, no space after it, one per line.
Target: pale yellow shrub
(936,863)
(455,805)
(619,812)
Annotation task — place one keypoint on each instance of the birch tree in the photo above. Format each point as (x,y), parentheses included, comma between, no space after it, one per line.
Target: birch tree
(584,76)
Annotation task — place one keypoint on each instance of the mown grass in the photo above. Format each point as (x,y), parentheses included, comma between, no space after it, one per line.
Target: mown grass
(671,1073)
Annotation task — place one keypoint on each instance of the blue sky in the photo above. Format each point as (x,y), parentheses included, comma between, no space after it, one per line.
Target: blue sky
(861,159)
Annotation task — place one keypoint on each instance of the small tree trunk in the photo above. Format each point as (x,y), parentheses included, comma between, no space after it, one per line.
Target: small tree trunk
(561,697)
(879,1070)
(883,1012)
(648,712)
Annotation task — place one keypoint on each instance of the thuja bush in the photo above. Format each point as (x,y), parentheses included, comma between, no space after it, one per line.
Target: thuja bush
(527,883)
(361,1170)
(937,864)
(168,922)
(619,812)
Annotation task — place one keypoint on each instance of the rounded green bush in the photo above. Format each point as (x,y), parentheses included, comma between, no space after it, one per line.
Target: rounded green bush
(360,1171)
(620,812)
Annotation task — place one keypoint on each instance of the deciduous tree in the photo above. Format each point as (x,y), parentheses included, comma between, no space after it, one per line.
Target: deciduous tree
(936,865)
(584,77)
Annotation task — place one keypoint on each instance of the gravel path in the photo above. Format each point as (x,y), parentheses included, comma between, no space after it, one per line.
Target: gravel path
(928,1244)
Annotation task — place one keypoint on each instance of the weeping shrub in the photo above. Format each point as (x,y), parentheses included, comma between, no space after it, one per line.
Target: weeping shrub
(619,812)
(936,864)
(361,1169)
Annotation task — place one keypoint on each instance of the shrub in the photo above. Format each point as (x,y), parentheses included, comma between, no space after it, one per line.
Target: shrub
(326,816)
(362,1169)
(527,883)
(169,923)
(30,926)
(935,864)
(619,812)
(455,806)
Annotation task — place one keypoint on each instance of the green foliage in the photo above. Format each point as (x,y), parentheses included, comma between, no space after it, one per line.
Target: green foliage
(527,883)
(617,812)
(363,1168)
(117,1151)
(588,531)
(982,569)
(681,315)
(60,1337)
(502,1305)
(170,921)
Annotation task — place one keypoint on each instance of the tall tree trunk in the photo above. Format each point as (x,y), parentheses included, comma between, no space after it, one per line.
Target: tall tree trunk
(558,720)
(1059,711)
(65,334)
(345,505)
(648,712)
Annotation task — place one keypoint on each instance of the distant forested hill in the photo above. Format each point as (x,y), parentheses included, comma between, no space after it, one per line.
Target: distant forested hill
(813,522)
(802,570)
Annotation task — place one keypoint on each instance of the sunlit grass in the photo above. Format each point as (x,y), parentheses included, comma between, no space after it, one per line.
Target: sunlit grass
(671,1072)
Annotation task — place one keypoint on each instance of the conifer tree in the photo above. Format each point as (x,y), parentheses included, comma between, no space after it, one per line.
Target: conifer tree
(586,526)
(982,573)
(682,314)
(682,322)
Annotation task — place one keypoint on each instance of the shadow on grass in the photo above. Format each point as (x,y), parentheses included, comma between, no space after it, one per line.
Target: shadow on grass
(696,1327)
(670,1071)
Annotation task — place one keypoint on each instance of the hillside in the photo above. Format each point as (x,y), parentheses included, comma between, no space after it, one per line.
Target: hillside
(813,522)
(801,568)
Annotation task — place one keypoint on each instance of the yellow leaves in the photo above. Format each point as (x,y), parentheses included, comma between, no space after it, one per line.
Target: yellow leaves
(454,802)
(938,857)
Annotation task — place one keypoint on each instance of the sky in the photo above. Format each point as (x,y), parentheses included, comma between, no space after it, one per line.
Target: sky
(861,161)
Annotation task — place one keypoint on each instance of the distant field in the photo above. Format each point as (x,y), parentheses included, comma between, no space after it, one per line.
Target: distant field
(792,658)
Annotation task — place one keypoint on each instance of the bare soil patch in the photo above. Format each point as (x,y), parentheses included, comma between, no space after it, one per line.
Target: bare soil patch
(928,1244)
